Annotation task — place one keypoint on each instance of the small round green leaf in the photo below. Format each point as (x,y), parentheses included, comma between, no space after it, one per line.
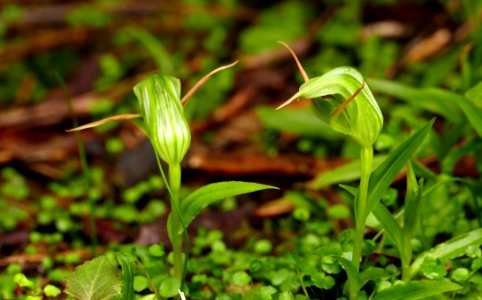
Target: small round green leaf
(170,287)
(51,290)
(156,250)
(22,280)
(460,274)
(339,211)
(140,283)
(263,246)
(240,278)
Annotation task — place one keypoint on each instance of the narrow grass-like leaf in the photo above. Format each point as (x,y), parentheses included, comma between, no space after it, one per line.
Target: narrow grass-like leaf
(412,203)
(350,269)
(475,94)
(208,194)
(372,273)
(350,189)
(383,176)
(417,290)
(442,102)
(354,285)
(473,114)
(450,249)
(302,121)
(345,173)
(410,217)
(97,279)
(128,264)
(154,46)
(434,100)
(389,223)
(86,174)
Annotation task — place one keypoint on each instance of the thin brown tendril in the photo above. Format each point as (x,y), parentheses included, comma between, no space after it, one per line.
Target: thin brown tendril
(342,106)
(286,103)
(103,121)
(300,67)
(202,81)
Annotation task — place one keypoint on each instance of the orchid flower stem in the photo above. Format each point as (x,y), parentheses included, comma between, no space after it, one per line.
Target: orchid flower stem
(361,213)
(175,185)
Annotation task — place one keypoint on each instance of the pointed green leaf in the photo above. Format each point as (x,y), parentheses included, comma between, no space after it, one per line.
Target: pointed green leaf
(442,102)
(383,176)
(297,121)
(475,94)
(372,273)
(155,48)
(389,223)
(450,249)
(208,194)
(350,269)
(96,279)
(434,100)
(473,114)
(417,290)
(345,173)
(128,264)
(350,189)
(411,205)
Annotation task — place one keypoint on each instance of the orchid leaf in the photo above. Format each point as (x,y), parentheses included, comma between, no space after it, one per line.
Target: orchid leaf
(417,290)
(383,176)
(450,249)
(208,194)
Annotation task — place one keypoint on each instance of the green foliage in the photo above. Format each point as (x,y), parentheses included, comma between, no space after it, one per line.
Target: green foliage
(169,287)
(475,94)
(208,194)
(305,253)
(269,29)
(97,279)
(417,290)
(88,15)
(345,173)
(437,101)
(127,263)
(51,290)
(263,246)
(154,47)
(22,280)
(240,278)
(298,121)
(14,184)
(343,28)
(450,249)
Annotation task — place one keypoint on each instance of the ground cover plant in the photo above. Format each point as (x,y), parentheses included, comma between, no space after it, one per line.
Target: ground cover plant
(366,118)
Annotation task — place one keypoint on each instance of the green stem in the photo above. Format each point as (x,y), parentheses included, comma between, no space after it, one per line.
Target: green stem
(366,159)
(175,185)
(405,255)
(85,167)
